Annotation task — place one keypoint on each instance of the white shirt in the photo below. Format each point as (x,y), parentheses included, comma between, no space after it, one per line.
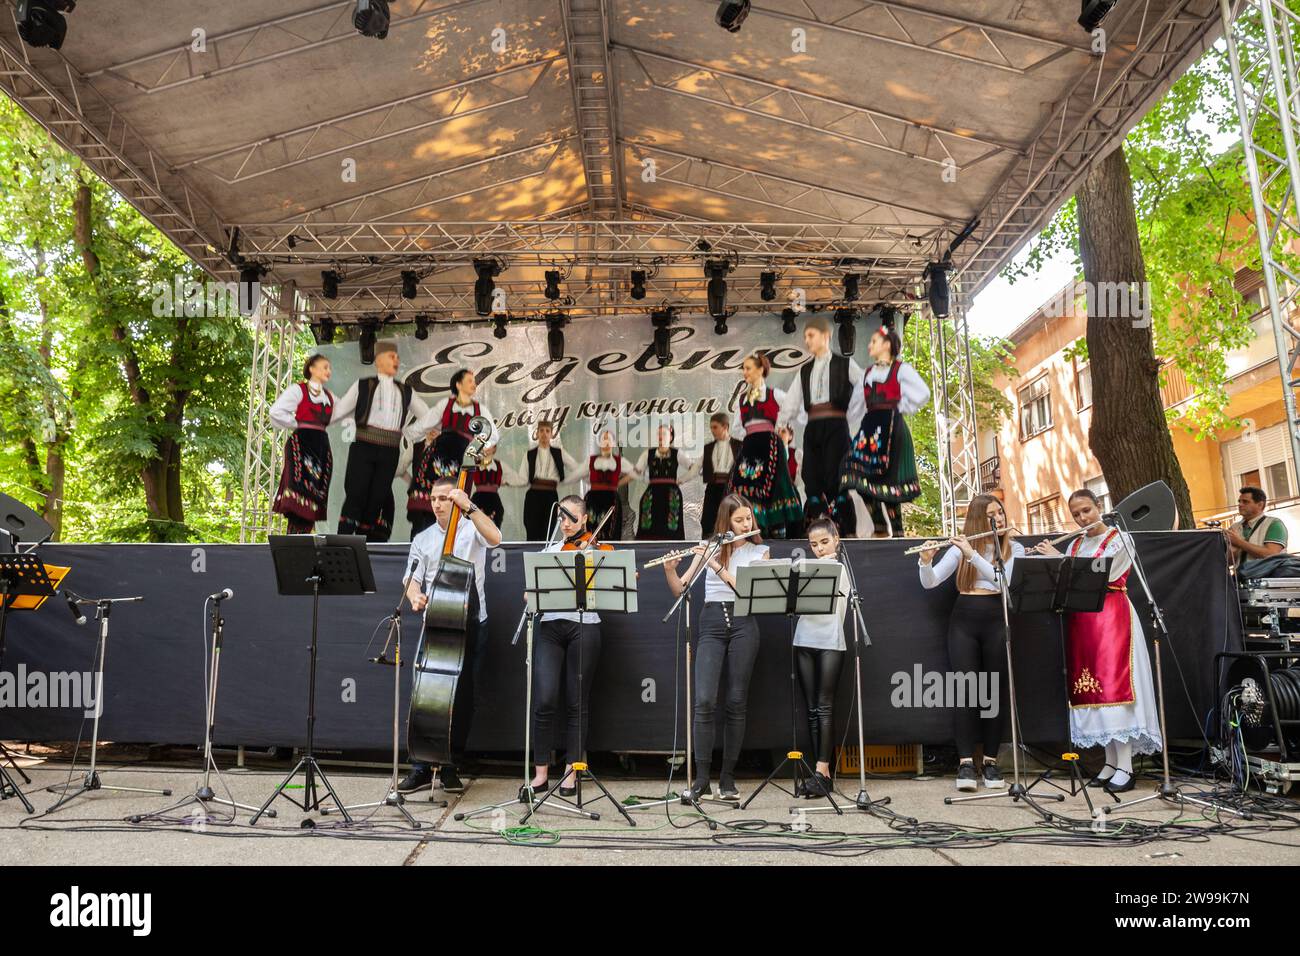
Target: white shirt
(1090,547)
(284,413)
(722,458)
(718,590)
(915,393)
(792,410)
(426,548)
(385,408)
(825,631)
(932,575)
(588,617)
(432,419)
(544,470)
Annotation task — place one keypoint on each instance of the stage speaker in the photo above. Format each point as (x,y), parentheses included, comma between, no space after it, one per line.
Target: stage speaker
(1150,508)
(22,523)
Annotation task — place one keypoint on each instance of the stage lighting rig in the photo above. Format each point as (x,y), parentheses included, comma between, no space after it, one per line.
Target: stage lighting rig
(250,286)
(323,331)
(850,284)
(662,322)
(41,22)
(486,270)
(716,271)
(788,317)
(767,286)
(421,326)
(555,323)
(499,325)
(371,18)
(329,282)
(410,284)
(366,341)
(936,287)
(638,284)
(1092,12)
(731,14)
(845,319)
(553,279)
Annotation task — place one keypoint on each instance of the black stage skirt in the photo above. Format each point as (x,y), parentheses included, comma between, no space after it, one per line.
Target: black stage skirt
(600,501)
(660,514)
(762,475)
(305,479)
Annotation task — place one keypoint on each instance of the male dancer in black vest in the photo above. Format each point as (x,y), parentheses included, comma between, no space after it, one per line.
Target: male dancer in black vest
(383,408)
(547,467)
(827,394)
(719,458)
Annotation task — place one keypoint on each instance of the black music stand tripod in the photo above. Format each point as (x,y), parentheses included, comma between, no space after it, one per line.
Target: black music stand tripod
(588,581)
(307,564)
(91,780)
(792,588)
(20,575)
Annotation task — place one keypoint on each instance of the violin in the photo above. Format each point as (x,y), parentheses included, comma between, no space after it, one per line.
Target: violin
(589,540)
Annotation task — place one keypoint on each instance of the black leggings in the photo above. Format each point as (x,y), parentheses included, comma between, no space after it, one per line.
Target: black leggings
(723,638)
(556,656)
(976,644)
(819,675)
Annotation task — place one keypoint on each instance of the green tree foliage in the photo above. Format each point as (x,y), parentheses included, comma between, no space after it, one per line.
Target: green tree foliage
(118,423)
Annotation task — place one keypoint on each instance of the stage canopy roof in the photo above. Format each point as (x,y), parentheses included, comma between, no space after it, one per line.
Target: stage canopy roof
(827,136)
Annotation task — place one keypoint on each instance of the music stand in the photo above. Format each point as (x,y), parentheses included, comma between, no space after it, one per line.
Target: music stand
(792,588)
(331,564)
(602,581)
(21,575)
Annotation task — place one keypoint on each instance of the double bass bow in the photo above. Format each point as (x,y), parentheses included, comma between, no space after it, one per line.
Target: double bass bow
(452,598)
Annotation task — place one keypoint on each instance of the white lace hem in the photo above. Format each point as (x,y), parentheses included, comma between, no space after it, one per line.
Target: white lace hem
(1143,740)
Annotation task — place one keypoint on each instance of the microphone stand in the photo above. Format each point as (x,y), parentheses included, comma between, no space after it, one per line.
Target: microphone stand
(91,780)
(1017,791)
(393,798)
(205,795)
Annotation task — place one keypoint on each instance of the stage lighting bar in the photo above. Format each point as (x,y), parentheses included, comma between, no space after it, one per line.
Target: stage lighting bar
(788,317)
(41,22)
(329,284)
(410,285)
(421,327)
(731,14)
(662,322)
(845,318)
(371,18)
(484,286)
(1093,12)
(638,284)
(499,325)
(555,323)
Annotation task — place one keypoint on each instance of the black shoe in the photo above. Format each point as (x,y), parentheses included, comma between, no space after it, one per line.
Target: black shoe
(727,788)
(818,785)
(993,777)
(420,778)
(1125,787)
(451,781)
(1098,781)
(537,790)
(967,779)
(693,794)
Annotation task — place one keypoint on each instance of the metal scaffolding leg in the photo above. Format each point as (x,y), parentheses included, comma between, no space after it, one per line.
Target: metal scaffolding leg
(274,335)
(1261,44)
(953,398)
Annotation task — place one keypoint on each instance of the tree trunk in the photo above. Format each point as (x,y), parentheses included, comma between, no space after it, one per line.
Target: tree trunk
(1129,433)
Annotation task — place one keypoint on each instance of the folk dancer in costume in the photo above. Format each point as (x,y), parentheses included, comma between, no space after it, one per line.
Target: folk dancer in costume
(489,478)
(660,514)
(819,656)
(548,466)
(384,410)
(761,474)
(304,410)
(826,396)
(605,475)
(1112,696)
(715,468)
(445,436)
(473,538)
(1256,535)
(793,458)
(881,464)
(724,638)
(976,632)
(565,655)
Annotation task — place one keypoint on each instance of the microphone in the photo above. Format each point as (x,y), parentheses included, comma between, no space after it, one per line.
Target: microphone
(225,594)
(77,614)
(567,514)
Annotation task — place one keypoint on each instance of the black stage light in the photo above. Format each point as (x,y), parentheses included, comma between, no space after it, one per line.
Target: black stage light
(371,18)
(767,286)
(40,22)
(410,286)
(366,341)
(638,284)
(486,270)
(421,327)
(844,318)
(555,323)
(552,284)
(936,276)
(1092,12)
(850,287)
(250,287)
(731,14)
(787,321)
(329,281)
(323,331)
(716,270)
(662,321)
(499,325)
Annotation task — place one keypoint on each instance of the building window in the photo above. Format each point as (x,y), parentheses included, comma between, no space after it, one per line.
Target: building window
(1279,480)
(1082,385)
(1035,408)
(1045,515)
(1098,487)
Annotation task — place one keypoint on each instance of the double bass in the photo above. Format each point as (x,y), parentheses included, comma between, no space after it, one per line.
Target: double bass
(453,597)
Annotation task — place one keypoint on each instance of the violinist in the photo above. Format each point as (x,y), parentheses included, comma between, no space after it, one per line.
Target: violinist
(568,650)
(473,538)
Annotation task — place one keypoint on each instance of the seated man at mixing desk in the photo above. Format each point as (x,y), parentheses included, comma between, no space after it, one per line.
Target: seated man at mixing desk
(1256,535)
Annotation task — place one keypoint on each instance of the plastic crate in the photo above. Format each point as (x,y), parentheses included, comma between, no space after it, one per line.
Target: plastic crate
(884,758)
